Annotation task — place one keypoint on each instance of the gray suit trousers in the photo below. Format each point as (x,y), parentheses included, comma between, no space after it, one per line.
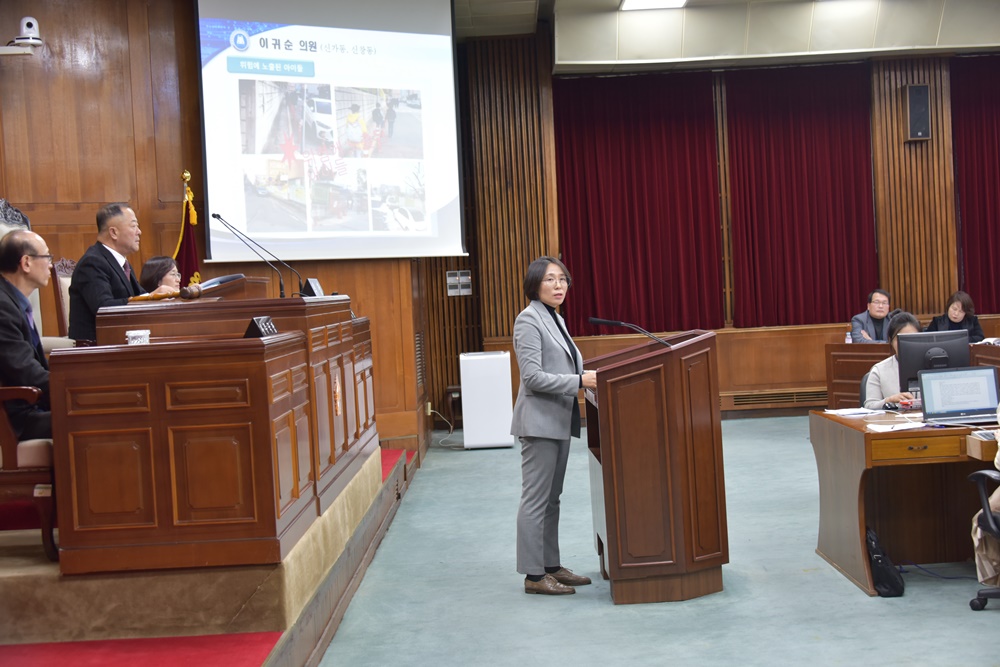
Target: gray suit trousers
(543,469)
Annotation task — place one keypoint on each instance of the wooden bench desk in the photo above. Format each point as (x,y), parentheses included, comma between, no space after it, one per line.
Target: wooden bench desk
(911,487)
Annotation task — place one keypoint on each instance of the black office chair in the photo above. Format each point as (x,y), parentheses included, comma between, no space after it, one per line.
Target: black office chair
(864,388)
(989,522)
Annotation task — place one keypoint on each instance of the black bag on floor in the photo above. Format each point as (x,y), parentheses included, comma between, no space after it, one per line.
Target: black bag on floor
(888,581)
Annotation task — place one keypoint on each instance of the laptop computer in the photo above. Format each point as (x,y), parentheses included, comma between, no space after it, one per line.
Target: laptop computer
(957,396)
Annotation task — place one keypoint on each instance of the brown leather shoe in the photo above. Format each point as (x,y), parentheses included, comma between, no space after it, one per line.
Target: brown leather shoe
(564,576)
(547,586)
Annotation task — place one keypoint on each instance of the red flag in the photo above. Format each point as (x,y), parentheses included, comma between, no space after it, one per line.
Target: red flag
(186,254)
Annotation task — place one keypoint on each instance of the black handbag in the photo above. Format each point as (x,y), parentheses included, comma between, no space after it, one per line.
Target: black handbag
(888,581)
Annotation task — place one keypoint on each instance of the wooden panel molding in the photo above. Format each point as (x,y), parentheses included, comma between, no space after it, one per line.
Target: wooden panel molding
(915,210)
(213,474)
(513,149)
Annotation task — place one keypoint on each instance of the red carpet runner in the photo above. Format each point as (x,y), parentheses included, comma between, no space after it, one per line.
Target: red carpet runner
(239,650)
(242,650)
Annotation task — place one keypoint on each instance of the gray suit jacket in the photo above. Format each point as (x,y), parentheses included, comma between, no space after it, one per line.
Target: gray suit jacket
(863,321)
(550,380)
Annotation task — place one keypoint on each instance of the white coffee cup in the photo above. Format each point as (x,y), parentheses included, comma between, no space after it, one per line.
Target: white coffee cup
(137,337)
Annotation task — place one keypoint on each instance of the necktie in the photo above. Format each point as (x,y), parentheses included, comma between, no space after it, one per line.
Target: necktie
(128,270)
(35,340)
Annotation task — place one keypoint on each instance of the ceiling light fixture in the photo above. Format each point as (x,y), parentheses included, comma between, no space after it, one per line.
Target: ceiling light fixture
(631,5)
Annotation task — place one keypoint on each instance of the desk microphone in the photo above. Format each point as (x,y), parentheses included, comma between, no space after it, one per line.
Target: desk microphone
(247,241)
(616,323)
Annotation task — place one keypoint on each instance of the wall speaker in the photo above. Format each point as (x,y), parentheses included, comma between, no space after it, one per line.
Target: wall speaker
(918,112)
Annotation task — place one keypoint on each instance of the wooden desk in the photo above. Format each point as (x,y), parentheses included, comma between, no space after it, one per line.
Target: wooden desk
(338,349)
(847,363)
(204,448)
(911,487)
(185,454)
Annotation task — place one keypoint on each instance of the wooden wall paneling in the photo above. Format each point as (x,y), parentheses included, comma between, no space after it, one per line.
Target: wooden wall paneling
(544,62)
(175,124)
(176,100)
(454,327)
(454,322)
(514,181)
(418,288)
(67,144)
(725,203)
(915,209)
(141,75)
(65,108)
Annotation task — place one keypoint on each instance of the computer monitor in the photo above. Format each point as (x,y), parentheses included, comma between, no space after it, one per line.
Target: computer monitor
(927,351)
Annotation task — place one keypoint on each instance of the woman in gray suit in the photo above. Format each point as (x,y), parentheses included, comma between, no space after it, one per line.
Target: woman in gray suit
(546,415)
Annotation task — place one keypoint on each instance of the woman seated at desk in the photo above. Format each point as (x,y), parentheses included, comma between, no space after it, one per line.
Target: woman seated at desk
(960,314)
(883,379)
(160,271)
(987,548)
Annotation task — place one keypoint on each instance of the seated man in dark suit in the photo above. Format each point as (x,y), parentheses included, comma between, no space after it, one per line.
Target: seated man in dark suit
(870,326)
(24,267)
(103,276)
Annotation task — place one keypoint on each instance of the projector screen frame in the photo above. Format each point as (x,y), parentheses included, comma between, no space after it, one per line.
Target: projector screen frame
(438,241)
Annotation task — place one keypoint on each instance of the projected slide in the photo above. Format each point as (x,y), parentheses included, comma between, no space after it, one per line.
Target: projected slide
(326,142)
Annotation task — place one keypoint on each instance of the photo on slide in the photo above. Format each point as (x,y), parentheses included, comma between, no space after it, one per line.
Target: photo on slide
(379,123)
(270,116)
(274,188)
(338,195)
(398,196)
(330,131)
(320,136)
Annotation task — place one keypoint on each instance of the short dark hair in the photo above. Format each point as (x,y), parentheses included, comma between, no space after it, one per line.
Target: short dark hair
(899,321)
(108,213)
(153,271)
(879,291)
(964,299)
(13,246)
(536,271)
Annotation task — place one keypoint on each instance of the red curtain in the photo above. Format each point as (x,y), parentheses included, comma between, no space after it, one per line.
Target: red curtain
(803,220)
(638,201)
(975,119)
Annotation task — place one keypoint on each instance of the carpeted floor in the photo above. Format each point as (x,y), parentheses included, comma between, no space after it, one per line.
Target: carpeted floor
(444,579)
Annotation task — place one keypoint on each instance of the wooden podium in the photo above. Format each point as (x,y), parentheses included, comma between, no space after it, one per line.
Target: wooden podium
(656,475)
(204,448)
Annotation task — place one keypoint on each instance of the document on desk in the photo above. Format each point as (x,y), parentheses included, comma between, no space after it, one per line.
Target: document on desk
(854,412)
(902,426)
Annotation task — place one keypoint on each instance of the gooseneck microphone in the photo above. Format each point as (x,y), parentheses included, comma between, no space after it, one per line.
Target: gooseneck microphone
(244,239)
(616,323)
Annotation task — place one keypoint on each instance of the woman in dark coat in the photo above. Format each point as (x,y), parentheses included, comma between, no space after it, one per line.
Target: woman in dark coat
(960,314)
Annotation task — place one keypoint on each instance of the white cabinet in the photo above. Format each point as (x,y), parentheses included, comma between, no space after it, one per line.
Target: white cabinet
(487,403)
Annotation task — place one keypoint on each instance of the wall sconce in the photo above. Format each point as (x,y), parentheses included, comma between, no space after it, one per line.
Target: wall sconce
(24,44)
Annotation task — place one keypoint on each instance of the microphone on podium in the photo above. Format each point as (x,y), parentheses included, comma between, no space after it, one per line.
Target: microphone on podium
(617,323)
(247,241)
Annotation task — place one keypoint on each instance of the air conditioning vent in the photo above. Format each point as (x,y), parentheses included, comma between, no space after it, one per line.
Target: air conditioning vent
(421,363)
(777,399)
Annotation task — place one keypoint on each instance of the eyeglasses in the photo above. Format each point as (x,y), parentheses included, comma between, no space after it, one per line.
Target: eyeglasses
(45,257)
(881,303)
(175,274)
(552,281)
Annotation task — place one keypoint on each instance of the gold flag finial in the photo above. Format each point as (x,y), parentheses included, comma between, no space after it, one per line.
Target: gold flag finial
(186,176)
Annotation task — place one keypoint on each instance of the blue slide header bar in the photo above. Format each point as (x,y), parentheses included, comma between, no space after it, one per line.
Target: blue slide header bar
(239,65)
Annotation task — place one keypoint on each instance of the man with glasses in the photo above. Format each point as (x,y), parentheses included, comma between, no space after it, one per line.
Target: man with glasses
(870,326)
(24,267)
